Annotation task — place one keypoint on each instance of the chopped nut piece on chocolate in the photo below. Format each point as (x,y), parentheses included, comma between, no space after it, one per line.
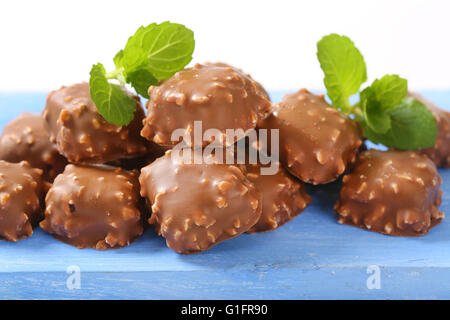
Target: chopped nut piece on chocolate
(25,139)
(94,206)
(317,142)
(440,153)
(22,193)
(82,135)
(220,96)
(196,206)
(391,192)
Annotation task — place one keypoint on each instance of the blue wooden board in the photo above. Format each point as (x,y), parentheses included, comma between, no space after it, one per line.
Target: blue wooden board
(311,257)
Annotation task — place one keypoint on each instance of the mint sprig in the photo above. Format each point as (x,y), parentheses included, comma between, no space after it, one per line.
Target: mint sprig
(344,68)
(112,102)
(383,95)
(409,121)
(383,110)
(162,49)
(153,53)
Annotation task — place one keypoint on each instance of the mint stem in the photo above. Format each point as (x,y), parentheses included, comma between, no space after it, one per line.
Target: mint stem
(353,109)
(117,74)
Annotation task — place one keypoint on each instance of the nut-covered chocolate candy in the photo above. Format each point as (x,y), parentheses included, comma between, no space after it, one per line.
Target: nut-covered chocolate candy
(94,206)
(22,192)
(317,142)
(82,135)
(440,153)
(283,197)
(195,206)
(391,192)
(25,139)
(218,95)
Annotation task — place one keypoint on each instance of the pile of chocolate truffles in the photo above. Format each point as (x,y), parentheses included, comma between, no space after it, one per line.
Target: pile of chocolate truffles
(93,184)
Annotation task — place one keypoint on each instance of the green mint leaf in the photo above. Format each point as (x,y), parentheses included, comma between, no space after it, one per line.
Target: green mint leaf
(162,49)
(118,59)
(412,127)
(134,58)
(141,80)
(390,90)
(344,69)
(374,114)
(383,95)
(111,101)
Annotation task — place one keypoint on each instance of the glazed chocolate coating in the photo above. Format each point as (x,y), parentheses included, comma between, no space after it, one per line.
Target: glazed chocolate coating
(25,139)
(94,207)
(259,88)
(440,153)
(22,192)
(196,206)
(317,142)
(391,192)
(221,96)
(82,135)
(283,197)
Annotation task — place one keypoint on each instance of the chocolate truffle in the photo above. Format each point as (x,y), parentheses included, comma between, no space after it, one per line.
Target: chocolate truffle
(22,192)
(391,192)
(283,198)
(317,142)
(218,95)
(440,153)
(25,139)
(94,206)
(195,206)
(82,135)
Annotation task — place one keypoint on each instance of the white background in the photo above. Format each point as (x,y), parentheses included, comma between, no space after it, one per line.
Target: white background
(45,44)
